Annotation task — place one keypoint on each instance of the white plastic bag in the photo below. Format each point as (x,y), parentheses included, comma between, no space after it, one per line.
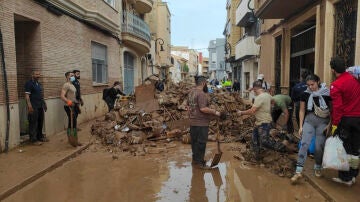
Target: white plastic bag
(335,156)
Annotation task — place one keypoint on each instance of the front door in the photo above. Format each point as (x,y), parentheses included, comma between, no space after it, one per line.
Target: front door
(129,61)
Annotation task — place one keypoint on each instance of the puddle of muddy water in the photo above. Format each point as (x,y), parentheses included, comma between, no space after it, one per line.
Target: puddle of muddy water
(231,181)
(95,176)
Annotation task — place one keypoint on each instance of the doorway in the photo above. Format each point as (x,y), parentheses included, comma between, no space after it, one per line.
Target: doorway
(28,57)
(302,50)
(277,71)
(129,62)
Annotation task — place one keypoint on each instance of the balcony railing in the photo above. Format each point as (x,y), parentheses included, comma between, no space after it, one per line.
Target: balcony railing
(134,25)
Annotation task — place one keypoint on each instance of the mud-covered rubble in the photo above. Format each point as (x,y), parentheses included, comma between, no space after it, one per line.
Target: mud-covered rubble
(141,132)
(128,125)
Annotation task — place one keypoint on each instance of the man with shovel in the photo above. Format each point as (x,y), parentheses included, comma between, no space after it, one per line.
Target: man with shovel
(199,115)
(68,95)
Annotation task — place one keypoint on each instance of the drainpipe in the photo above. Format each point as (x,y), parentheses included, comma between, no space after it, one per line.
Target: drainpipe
(6,92)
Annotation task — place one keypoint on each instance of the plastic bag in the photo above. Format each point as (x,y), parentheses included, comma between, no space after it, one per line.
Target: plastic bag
(335,156)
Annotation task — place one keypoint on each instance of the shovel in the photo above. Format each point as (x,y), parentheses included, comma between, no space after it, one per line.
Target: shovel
(72,136)
(218,155)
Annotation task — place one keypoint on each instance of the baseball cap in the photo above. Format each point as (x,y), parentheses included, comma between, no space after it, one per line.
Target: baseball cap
(260,76)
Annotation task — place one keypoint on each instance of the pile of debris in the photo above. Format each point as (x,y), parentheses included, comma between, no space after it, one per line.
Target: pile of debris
(148,122)
(144,126)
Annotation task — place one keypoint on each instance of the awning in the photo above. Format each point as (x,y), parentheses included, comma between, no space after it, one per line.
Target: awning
(280,9)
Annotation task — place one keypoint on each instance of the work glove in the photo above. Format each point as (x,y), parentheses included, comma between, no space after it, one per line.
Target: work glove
(118,95)
(333,129)
(330,130)
(69,103)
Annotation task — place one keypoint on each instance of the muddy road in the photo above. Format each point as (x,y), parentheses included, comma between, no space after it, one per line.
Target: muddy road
(98,175)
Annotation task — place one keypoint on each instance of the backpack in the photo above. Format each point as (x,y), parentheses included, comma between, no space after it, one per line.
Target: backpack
(105,93)
(159,86)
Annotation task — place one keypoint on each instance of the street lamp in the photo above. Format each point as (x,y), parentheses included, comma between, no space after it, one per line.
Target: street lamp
(161,43)
(252,19)
(227,48)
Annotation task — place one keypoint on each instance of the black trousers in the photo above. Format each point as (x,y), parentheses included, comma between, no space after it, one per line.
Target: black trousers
(36,120)
(275,114)
(350,135)
(75,115)
(199,137)
(110,103)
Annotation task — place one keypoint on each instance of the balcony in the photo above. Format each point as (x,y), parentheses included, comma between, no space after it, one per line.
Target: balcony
(135,32)
(246,48)
(99,13)
(243,14)
(144,6)
(279,9)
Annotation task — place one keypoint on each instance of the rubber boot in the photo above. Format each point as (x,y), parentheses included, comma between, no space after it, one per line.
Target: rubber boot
(76,137)
(72,137)
(68,134)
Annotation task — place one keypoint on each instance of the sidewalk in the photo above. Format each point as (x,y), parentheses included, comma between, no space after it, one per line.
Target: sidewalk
(333,190)
(24,164)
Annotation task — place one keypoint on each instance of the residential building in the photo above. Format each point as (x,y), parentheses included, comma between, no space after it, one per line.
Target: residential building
(232,35)
(246,50)
(191,55)
(217,59)
(305,34)
(136,42)
(160,25)
(178,70)
(205,66)
(101,38)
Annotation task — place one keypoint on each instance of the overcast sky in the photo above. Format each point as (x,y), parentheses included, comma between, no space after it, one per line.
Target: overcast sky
(195,22)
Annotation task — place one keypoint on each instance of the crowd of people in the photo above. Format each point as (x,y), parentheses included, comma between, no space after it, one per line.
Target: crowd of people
(70,95)
(320,112)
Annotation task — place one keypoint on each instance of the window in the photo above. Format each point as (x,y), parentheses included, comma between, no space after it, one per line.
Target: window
(110,2)
(99,63)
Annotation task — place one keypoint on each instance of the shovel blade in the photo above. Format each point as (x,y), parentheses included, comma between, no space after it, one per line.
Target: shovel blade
(216,159)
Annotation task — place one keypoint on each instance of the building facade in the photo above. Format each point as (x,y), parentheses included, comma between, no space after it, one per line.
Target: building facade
(305,35)
(107,40)
(217,59)
(191,55)
(246,50)
(178,70)
(160,25)
(136,42)
(232,34)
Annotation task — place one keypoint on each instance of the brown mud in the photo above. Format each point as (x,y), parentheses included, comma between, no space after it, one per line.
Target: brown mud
(98,176)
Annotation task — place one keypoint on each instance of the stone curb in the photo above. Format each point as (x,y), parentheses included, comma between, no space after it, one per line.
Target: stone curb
(36,176)
(318,188)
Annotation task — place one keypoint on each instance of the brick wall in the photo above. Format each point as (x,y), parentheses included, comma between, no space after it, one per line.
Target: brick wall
(55,44)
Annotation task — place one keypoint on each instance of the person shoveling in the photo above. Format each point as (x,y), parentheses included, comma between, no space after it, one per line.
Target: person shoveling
(200,115)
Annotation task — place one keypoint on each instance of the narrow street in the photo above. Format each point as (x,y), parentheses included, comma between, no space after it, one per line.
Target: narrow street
(116,100)
(96,176)
(51,172)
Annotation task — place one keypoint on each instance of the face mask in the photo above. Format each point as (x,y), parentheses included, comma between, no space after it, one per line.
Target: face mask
(72,79)
(205,89)
(78,77)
